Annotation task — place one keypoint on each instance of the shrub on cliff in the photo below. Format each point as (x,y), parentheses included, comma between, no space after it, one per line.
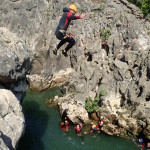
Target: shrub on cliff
(145,8)
(104,34)
(94,105)
(144,5)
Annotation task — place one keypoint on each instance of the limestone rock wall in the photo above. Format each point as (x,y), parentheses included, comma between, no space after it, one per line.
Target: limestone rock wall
(15,62)
(121,68)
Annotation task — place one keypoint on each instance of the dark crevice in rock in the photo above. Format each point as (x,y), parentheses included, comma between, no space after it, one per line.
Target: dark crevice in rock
(141,91)
(105,46)
(131,73)
(100,80)
(148,98)
(64,114)
(7,140)
(129,103)
(140,73)
(148,72)
(73,61)
(113,47)
(137,83)
(89,56)
(81,120)
(122,101)
(30,9)
(14,0)
(65,117)
(100,103)
(135,65)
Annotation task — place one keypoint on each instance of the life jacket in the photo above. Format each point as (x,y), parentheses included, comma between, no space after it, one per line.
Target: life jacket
(78,129)
(66,19)
(62,124)
(101,123)
(66,124)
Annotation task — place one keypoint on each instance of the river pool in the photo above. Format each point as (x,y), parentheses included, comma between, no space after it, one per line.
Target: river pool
(43,132)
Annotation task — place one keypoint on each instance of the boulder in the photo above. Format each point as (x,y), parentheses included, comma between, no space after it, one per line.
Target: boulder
(74,110)
(12,121)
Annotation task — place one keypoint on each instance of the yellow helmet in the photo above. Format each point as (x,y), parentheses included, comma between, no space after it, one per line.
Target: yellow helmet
(73,7)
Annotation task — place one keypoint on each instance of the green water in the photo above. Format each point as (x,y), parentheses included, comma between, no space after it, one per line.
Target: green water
(43,132)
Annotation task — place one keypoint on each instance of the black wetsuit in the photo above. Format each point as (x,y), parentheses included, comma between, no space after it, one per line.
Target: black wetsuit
(62,27)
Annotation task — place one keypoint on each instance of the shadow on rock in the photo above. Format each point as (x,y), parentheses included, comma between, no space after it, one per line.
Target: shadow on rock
(36,124)
(7,140)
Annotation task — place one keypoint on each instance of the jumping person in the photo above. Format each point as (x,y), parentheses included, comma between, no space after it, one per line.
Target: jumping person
(68,15)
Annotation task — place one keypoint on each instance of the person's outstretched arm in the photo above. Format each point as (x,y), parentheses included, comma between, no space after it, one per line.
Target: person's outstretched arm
(74,17)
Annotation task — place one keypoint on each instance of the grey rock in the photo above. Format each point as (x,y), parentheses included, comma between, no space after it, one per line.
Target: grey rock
(15,62)
(121,67)
(11,120)
(15,57)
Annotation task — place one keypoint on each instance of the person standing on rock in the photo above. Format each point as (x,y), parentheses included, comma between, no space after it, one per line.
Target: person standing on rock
(68,15)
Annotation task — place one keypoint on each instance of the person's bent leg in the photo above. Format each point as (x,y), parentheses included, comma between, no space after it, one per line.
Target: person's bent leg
(71,43)
(62,42)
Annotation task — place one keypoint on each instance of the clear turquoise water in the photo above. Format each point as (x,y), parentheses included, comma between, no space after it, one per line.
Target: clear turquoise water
(43,132)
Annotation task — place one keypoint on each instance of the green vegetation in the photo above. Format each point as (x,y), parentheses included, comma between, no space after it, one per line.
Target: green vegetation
(148,137)
(135,134)
(104,34)
(129,134)
(96,11)
(93,105)
(144,5)
(100,8)
(102,92)
(145,8)
(83,10)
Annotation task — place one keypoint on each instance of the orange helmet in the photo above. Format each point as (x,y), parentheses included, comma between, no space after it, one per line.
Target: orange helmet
(73,7)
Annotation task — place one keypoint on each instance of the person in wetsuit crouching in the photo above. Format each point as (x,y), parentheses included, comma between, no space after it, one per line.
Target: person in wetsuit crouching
(68,15)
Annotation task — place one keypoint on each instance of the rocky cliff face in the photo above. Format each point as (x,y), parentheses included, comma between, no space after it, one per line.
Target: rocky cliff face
(121,67)
(15,63)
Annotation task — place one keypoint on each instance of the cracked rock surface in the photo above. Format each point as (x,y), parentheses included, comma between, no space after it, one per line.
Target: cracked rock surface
(11,120)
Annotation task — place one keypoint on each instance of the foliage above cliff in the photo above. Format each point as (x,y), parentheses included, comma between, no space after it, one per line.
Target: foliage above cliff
(144,5)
